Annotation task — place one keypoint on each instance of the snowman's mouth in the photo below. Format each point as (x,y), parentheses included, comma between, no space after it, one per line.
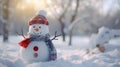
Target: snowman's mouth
(37,33)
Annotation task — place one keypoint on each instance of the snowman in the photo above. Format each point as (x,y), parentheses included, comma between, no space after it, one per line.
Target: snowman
(38,46)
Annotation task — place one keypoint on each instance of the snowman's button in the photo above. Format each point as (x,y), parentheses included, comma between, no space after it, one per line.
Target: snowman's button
(35,48)
(35,55)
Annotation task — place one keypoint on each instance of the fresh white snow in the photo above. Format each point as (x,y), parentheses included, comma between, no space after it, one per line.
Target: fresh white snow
(104,36)
(68,56)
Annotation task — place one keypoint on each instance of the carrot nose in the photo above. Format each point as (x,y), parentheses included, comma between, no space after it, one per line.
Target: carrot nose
(36,29)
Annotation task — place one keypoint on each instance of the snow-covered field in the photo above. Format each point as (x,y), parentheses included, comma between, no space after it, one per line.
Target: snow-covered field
(68,56)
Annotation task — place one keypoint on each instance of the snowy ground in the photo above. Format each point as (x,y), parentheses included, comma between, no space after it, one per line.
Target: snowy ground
(68,56)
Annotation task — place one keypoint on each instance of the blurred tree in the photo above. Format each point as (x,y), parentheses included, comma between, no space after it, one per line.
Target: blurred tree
(59,9)
(5,9)
(73,18)
(66,12)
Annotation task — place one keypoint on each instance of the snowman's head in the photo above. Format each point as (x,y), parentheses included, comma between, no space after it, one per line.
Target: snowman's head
(38,29)
(39,24)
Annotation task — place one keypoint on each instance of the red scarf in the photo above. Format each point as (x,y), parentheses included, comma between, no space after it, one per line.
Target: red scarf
(24,43)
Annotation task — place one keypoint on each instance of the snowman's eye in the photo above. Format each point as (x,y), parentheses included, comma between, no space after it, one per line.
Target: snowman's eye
(33,26)
(39,26)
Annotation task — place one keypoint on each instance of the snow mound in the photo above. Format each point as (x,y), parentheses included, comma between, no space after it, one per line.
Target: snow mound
(104,36)
(68,56)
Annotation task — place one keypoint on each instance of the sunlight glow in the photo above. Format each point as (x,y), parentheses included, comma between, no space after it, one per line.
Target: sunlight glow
(49,1)
(36,4)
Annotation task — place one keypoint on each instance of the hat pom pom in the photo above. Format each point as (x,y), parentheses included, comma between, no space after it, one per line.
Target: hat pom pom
(42,12)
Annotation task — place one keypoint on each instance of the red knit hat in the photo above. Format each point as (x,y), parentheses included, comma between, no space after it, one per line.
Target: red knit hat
(39,19)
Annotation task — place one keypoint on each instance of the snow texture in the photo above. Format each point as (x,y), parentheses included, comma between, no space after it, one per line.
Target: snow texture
(103,36)
(68,56)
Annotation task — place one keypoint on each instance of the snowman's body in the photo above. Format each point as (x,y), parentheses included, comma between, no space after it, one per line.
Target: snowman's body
(38,46)
(36,51)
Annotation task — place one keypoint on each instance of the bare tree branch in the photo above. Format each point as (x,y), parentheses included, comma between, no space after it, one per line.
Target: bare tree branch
(21,34)
(61,16)
(64,10)
(54,38)
(75,12)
